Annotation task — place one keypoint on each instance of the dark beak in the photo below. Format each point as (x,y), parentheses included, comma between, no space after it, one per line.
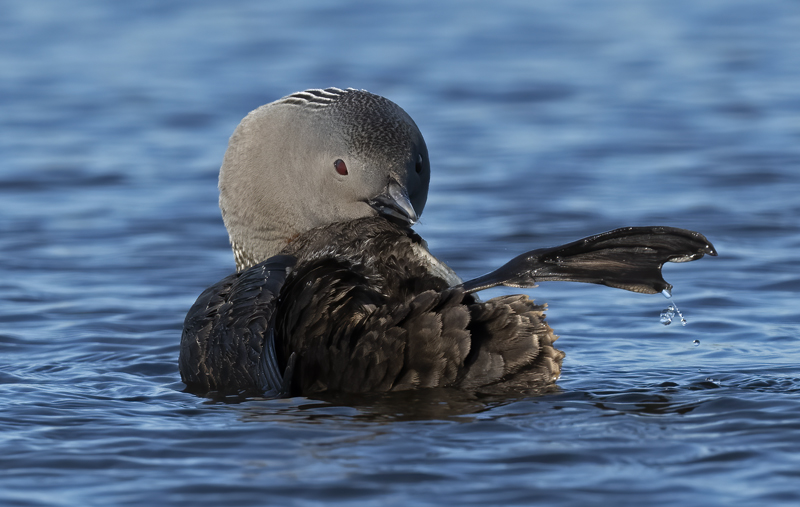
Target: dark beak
(394,202)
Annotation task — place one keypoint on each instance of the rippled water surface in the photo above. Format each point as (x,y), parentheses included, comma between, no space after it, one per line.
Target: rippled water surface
(546,122)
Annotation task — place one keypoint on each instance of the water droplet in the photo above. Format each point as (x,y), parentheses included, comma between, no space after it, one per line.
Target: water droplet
(669,313)
(696,343)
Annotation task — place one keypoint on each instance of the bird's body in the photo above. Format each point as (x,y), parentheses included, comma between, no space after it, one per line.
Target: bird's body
(338,294)
(364,308)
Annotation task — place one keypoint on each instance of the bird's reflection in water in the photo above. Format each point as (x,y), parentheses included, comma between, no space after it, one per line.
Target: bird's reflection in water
(455,405)
(414,405)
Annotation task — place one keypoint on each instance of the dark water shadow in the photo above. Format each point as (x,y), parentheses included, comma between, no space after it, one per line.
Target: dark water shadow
(460,406)
(440,404)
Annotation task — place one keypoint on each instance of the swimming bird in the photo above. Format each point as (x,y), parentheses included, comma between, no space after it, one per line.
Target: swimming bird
(335,292)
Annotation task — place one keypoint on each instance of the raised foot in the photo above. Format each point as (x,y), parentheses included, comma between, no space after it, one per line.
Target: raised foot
(629,258)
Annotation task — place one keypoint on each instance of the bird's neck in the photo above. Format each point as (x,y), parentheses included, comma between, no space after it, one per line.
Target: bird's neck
(257,246)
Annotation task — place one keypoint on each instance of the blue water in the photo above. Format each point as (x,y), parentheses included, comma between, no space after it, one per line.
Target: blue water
(546,122)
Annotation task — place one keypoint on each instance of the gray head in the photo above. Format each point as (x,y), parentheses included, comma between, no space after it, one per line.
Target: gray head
(315,158)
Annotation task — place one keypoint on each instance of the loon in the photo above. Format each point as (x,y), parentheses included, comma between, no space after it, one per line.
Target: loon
(335,292)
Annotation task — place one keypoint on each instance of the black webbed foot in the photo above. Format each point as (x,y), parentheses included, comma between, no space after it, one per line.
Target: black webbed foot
(629,258)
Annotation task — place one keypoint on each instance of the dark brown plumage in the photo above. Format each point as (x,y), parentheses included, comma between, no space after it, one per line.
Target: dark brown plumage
(360,312)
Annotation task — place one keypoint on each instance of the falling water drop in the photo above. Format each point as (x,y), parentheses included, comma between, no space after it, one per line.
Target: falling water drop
(696,343)
(669,313)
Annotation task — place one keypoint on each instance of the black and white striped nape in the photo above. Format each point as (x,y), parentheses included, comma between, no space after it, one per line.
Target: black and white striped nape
(315,98)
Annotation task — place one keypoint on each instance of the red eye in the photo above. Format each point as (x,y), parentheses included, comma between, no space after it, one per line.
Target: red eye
(340,166)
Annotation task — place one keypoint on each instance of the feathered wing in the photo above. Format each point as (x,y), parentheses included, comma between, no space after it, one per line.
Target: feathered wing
(348,336)
(513,347)
(227,342)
